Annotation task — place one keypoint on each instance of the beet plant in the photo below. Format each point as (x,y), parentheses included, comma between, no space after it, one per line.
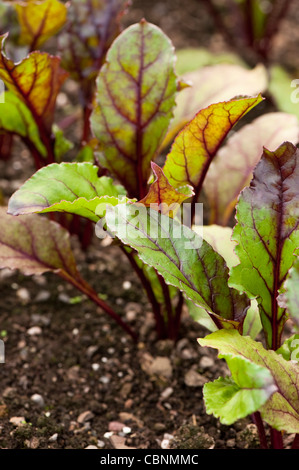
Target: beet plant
(84,31)
(264,374)
(136,90)
(139,205)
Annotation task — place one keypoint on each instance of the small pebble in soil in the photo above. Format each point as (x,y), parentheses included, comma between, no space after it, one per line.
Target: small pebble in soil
(39,280)
(104,380)
(167,438)
(95,367)
(161,366)
(194,379)
(53,438)
(85,416)
(206,362)
(42,296)
(18,420)
(38,399)
(127,285)
(64,298)
(40,319)
(91,350)
(166,393)
(116,426)
(24,295)
(34,331)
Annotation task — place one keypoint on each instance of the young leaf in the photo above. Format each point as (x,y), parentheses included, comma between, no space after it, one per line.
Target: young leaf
(39,20)
(196,145)
(281,410)
(233,398)
(162,196)
(290,348)
(35,245)
(36,81)
(214,84)
(91,27)
(182,258)
(74,188)
(232,168)
(267,235)
(16,118)
(136,91)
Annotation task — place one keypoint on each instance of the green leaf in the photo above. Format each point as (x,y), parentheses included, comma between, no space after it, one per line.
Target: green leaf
(201,316)
(197,144)
(290,348)
(182,258)
(267,235)
(35,245)
(213,84)
(66,187)
(151,276)
(16,118)
(232,168)
(136,91)
(252,323)
(244,393)
(281,410)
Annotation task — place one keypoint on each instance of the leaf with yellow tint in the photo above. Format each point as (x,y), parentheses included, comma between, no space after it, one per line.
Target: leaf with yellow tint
(196,145)
(39,20)
(36,81)
(162,196)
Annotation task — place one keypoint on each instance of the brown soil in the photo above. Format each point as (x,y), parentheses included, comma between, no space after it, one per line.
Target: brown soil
(78,360)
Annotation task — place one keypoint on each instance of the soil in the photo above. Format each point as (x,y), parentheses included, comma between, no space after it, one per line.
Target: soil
(72,378)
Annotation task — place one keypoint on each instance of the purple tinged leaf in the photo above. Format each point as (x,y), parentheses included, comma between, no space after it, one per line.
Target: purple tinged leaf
(232,168)
(91,27)
(267,235)
(35,245)
(184,260)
